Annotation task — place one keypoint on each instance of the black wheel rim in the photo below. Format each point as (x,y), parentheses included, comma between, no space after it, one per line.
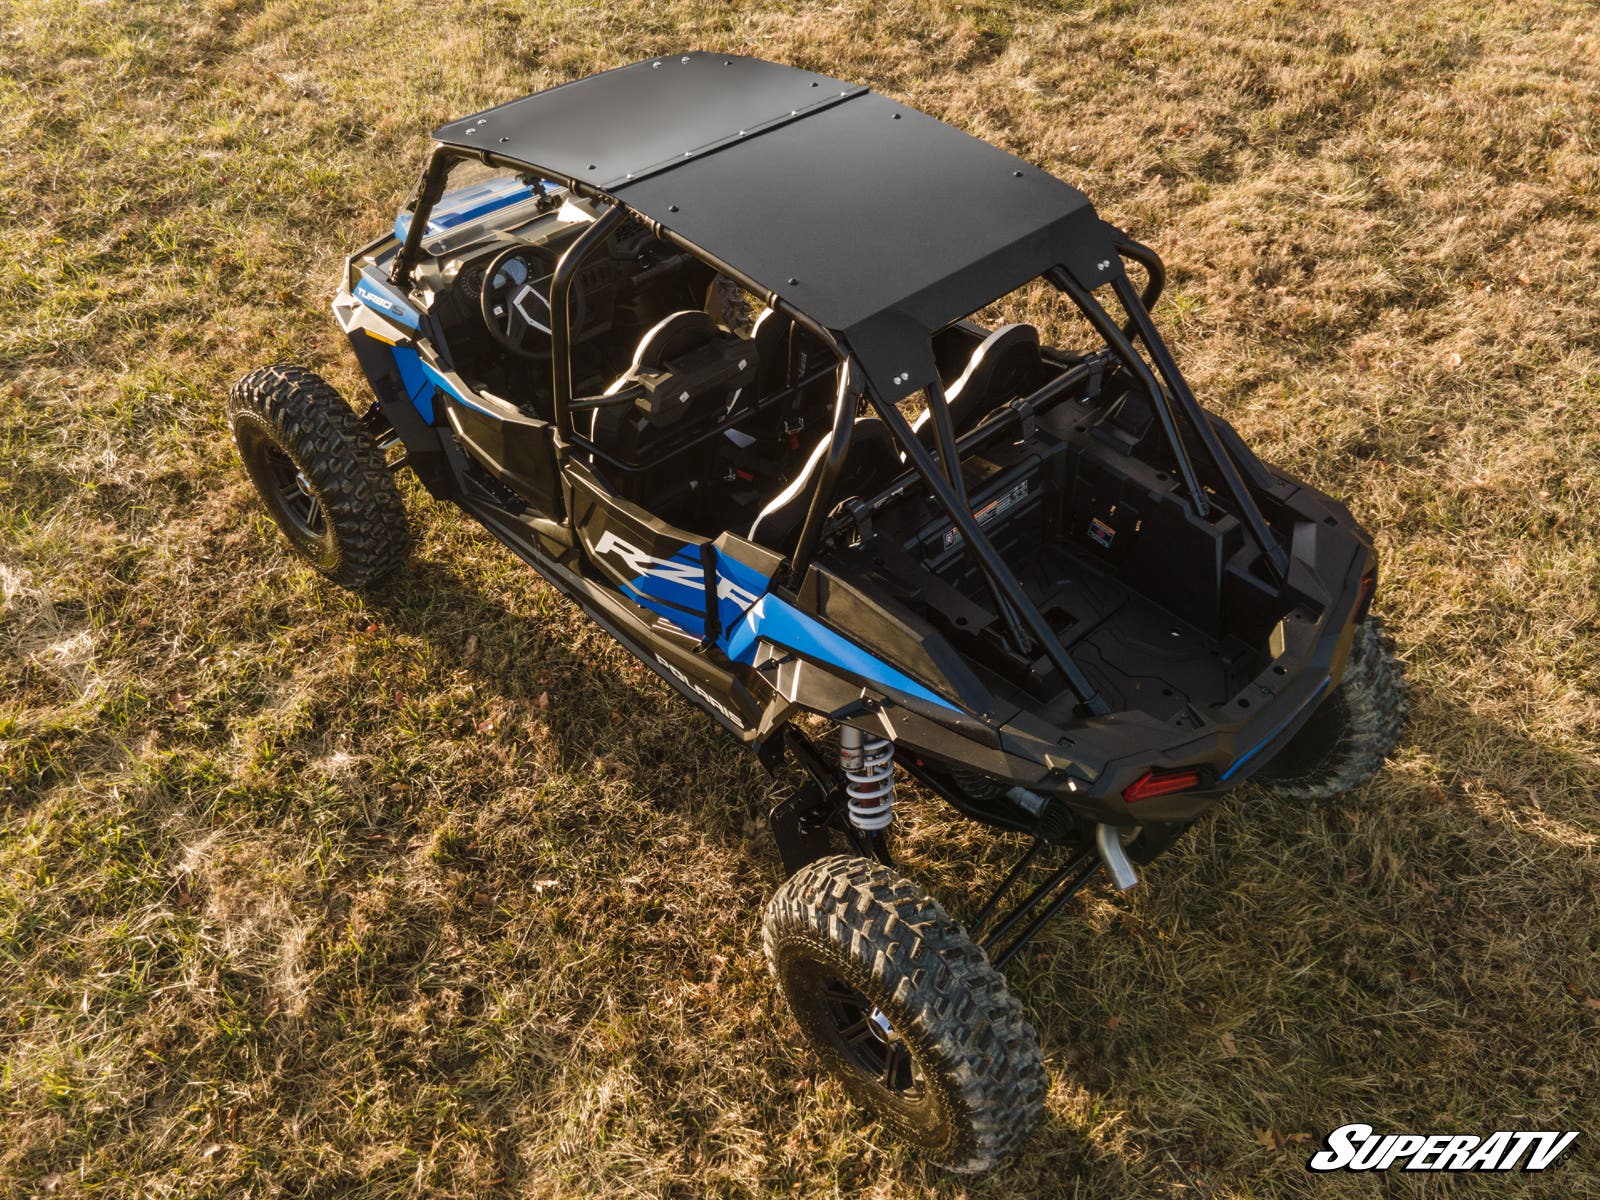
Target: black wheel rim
(289,493)
(295,497)
(868,1041)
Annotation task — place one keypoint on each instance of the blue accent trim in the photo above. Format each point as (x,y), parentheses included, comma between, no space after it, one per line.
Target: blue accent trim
(386,302)
(1271,737)
(679,594)
(771,619)
(465,204)
(414,378)
(420,377)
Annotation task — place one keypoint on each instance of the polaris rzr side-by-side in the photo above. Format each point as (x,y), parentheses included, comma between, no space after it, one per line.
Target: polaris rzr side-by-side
(695,338)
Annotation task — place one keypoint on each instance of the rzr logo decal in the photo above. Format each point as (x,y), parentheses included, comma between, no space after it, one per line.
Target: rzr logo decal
(671,570)
(1358,1148)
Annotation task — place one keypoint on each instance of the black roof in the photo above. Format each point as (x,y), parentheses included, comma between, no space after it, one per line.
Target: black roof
(876,220)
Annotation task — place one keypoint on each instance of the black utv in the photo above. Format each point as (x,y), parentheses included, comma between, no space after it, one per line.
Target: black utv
(696,339)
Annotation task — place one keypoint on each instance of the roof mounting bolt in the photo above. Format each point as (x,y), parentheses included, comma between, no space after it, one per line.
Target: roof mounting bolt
(591,166)
(470,132)
(897,116)
(685,58)
(814,83)
(504,140)
(672,208)
(483,120)
(1016,174)
(793,281)
(1105,265)
(655,64)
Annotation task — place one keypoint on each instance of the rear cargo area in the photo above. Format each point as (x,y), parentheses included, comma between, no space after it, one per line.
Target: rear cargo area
(1162,610)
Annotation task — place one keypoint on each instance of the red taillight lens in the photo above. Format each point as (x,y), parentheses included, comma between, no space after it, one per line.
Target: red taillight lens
(1160,783)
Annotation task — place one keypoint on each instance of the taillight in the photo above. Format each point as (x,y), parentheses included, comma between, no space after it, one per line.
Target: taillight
(1160,783)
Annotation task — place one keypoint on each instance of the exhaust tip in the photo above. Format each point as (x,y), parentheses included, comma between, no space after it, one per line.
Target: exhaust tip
(1108,840)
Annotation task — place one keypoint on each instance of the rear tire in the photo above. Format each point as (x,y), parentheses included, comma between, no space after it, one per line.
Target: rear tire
(321,474)
(1353,731)
(906,1011)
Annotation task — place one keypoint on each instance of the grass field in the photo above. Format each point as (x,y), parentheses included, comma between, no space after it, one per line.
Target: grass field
(439,894)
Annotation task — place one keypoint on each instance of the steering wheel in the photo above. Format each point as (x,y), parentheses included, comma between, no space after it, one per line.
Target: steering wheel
(515,299)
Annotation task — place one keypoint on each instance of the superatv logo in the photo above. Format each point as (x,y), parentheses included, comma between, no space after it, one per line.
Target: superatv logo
(670,570)
(1358,1148)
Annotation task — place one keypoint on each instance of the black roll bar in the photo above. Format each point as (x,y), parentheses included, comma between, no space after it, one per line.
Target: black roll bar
(944,434)
(987,557)
(428,193)
(844,420)
(1155,272)
(561,317)
(1122,347)
(1249,510)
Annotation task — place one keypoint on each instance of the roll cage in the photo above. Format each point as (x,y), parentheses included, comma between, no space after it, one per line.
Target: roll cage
(1179,414)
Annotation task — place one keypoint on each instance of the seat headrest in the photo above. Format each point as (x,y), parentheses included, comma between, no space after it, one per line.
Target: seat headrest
(1005,364)
(673,336)
(870,461)
(1006,356)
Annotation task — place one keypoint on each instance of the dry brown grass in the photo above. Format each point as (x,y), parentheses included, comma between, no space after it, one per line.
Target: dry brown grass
(307,895)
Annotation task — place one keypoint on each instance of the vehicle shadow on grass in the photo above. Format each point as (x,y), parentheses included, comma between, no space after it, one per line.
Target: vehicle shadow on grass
(1355,930)
(1416,955)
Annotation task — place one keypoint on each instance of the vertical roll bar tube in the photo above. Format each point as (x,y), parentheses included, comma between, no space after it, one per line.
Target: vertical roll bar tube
(428,193)
(844,419)
(1151,262)
(1249,510)
(561,316)
(944,434)
(1123,348)
(988,558)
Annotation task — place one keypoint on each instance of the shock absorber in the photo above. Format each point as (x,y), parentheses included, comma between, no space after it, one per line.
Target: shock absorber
(868,765)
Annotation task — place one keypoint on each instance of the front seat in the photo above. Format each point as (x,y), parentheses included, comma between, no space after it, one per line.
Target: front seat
(1005,364)
(686,364)
(871,460)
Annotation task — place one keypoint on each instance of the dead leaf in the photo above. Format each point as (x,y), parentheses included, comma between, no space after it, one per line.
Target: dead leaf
(543,702)
(1113,1022)
(1229,1046)
(1298,1139)
(1270,1138)
(482,899)
(211,1150)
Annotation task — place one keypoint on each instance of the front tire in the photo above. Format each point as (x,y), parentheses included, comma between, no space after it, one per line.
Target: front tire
(321,474)
(906,1011)
(1353,731)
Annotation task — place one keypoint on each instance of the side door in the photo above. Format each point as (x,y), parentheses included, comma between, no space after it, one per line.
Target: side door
(685,593)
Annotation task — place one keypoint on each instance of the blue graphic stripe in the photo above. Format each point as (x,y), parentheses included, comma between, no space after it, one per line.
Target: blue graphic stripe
(1244,758)
(468,204)
(678,594)
(770,619)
